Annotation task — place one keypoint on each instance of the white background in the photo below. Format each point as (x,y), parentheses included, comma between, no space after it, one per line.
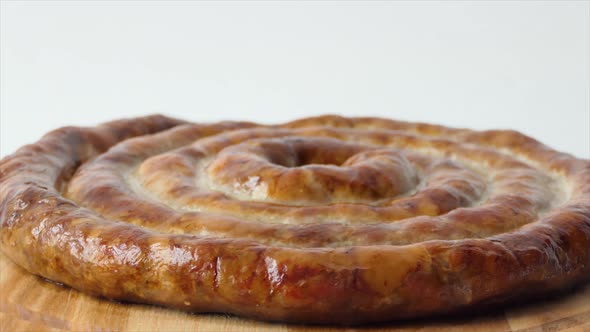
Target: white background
(521,65)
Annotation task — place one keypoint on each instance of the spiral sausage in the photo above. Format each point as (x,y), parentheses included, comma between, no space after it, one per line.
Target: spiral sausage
(321,220)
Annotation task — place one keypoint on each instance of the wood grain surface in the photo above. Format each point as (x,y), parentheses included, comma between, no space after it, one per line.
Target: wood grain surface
(29,303)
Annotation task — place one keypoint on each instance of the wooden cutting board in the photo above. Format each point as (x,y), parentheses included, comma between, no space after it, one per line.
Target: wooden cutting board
(29,303)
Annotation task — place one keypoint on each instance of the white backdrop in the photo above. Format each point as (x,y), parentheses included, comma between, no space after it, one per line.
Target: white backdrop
(521,65)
